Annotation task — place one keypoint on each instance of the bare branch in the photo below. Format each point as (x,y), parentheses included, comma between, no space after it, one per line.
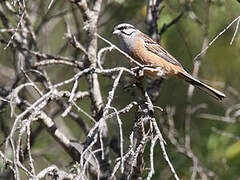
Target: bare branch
(221,33)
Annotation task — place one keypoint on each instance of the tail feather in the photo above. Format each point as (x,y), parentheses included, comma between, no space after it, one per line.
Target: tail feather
(209,90)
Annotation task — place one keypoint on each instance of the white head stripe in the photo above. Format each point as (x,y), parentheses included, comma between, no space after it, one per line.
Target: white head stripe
(124,26)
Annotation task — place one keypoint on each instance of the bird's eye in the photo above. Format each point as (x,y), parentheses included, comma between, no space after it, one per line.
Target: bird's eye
(122,28)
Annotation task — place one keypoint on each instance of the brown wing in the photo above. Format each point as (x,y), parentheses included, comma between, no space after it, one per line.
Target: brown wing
(155,48)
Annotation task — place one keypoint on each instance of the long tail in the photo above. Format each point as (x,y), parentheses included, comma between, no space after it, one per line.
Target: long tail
(211,91)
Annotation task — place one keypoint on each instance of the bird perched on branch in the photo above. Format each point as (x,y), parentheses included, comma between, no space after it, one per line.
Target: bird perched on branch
(158,62)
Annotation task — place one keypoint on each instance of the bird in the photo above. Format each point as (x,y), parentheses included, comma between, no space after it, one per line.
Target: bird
(159,63)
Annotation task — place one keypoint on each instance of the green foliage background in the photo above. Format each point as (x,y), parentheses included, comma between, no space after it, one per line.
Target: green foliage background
(216,152)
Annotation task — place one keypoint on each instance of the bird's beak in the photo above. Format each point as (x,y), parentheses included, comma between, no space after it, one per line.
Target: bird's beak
(116,31)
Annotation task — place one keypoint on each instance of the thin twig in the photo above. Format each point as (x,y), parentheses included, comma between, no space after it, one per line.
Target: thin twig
(214,39)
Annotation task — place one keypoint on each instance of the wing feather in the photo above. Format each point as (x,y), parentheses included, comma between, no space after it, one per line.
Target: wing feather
(155,48)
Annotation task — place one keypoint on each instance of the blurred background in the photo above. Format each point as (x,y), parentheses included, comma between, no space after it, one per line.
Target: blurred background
(213,127)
